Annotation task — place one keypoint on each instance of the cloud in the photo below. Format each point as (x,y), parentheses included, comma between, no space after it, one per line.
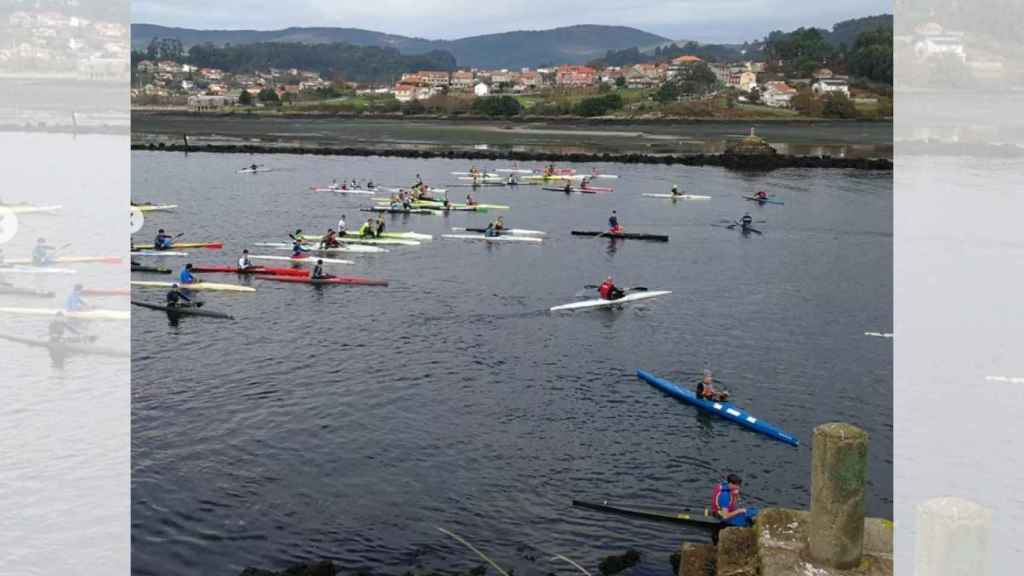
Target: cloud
(704,20)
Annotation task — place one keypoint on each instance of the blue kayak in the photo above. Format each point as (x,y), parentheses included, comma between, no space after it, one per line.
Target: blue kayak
(763,200)
(724,409)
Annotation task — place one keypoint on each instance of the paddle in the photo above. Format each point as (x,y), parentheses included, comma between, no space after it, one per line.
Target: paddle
(631,289)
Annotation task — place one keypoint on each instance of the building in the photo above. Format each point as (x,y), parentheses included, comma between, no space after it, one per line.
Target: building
(575,76)
(481,89)
(831,85)
(527,80)
(681,65)
(462,80)
(941,45)
(778,94)
(433,78)
(200,103)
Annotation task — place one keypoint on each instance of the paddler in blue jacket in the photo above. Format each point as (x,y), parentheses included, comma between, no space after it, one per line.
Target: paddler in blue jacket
(725,503)
(186,277)
(41,253)
(75,301)
(298,250)
(613,223)
(163,240)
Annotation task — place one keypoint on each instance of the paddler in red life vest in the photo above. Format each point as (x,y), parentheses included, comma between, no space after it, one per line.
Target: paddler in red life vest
(330,240)
(761,195)
(725,503)
(609,291)
(613,223)
(706,389)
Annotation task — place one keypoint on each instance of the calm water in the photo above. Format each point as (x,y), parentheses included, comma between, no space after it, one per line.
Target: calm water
(349,422)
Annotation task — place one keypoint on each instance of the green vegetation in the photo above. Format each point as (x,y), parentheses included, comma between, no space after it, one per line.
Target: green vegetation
(871,56)
(497,106)
(694,80)
(599,105)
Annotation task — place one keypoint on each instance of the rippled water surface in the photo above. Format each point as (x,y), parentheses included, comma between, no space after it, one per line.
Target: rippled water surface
(350,422)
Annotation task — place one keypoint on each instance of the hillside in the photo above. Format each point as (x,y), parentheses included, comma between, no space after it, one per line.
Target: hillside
(572,44)
(846,32)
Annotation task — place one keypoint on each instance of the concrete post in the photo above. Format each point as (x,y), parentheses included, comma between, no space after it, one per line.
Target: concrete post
(838,475)
(953,538)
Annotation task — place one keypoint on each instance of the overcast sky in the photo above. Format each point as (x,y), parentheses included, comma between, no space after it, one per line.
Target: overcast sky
(702,20)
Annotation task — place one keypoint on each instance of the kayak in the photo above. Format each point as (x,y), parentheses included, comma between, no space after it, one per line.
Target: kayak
(353,238)
(68,260)
(724,409)
(30,209)
(493,238)
(512,231)
(157,253)
(151,269)
(440,205)
(470,175)
(251,270)
(31,292)
(399,210)
(303,259)
(762,200)
(701,519)
(515,170)
(348,237)
(601,303)
(67,348)
(353,280)
(209,286)
(623,235)
(209,245)
(77,314)
(353,248)
(36,270)
(254,170)
(154,207)
(106,291)
(591,190)
(679,196)
(183,310)
(343,190)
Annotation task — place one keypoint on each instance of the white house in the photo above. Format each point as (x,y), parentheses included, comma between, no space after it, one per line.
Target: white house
(778,94)
(481,89)
(831,85)
(941,45)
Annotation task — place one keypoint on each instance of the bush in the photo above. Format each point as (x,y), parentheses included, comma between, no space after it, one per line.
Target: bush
(497,106)
(838,105)
(245,98)
(805,103)
(268,96)
(413,107)
(599,105)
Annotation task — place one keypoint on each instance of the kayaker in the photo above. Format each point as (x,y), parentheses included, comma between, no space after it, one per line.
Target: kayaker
(706,389)
(380,226)
(163,240)
(490,231)
(368,230)
(186,277)
(298,250)
(512,181)
(568,187)
(419,182)
(609,291)
(41,255)
(725,503)
(342,226)
(244,263)
(675,191)
(253,167)
(318,271)
(585,183)
(334,184)
(470,201)
(330,240)
(176,298)
(75,301)
(370,185)
(499,224)
(761,195)
(59,327)
(746,221)
(613,223)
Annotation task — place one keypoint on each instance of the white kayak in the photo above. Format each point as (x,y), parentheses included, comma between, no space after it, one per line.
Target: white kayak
(340,190)
(515,170)
(36,270)
(29,209)
(254,170)
(600,303)
(208,286)
(154,207)
(78,315)
(158,253)
(352,239)
(510,231)
(303,260)
(477,175)
(493,238)
(679,196)
(350,248)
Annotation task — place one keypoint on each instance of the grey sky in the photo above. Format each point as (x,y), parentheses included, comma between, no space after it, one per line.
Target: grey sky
(703,20)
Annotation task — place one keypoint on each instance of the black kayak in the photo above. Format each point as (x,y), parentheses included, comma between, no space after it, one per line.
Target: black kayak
(701,519)
(183,311)
(622,235)
(16,291)
(68,348)
(152,269)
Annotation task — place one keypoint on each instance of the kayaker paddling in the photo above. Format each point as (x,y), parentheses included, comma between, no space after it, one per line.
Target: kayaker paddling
(186,276)
(42,253)
(317,273)
(368,229)
(74,301)
(746,221)
(613,223)
(568,187)
(244,263)
(330,239)
(675,191)
(380,226)
(176,298)
(706,389)
(609,291)
(725,503)
(761,195)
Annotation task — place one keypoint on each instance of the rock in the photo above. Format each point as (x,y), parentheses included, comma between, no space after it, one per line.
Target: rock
(696,560)
(737,552)
(615,564)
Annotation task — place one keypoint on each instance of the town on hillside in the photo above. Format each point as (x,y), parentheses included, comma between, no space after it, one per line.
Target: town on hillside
(53,43)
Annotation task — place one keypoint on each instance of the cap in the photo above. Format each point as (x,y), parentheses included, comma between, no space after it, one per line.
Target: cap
(734,479)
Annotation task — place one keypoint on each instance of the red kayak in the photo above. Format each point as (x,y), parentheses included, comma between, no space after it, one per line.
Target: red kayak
(106,292)
(357,280)
(252,270)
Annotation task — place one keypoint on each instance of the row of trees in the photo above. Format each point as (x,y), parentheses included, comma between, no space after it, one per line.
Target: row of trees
(805,50)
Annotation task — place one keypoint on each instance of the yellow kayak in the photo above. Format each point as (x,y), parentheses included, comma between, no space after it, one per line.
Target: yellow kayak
(209,286)
(30,209)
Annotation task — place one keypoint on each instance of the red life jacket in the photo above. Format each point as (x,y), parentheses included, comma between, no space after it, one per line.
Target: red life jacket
(605,290)
(716,508)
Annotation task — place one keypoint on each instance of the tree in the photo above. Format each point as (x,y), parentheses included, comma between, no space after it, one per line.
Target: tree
(413,107)
(497,106)
(692,80)
(754,95)
(838,105)
(806,103)
(245,98)
(620,82)
(599,105)
(268,96)
(871,56)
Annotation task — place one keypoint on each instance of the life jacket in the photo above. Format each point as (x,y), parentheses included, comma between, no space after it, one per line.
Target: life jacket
(605,290)
(717,505)
(366,230)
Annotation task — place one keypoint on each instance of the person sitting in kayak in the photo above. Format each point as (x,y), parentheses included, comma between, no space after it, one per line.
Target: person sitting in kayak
(761,195)
(470,201)
(176,298)
(330,240)
(675,191)
(706,389)
(41,255)
(318,271)
(370,185)
(75,302)
(512,180)
(725,503)
(380,226)
(585,183)
(568,187)
(499,224)
(59,327)
(613,223)
(298,250)
(746,221)
(163,240)
(491,231)
(342,226)
(253,167)
(186,277)
(244,263)
(609,291)
(369,229)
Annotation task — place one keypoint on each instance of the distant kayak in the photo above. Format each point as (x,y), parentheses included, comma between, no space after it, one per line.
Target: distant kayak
(512,231)
(340,190)
(352,280)
(36,270)
(179,245)
(30,209)
(701,518)
(251,270)
(106,292)
(622,235)
(602,303)
(68,348)
(159,253)
(302,259)
(151,269)
(78,315)
(354,238)
(493,238)
(208,286)
(577,190)
(724,409)
(66,260)
(154,207)
(678,196)
(352,248)
(254,170)
(399,210)
(25,292)
(183,310)
(762,200)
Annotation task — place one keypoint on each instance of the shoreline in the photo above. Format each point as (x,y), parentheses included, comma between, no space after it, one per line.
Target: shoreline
(726,160)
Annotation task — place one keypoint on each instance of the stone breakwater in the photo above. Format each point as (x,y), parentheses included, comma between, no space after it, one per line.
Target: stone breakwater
(732,161)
